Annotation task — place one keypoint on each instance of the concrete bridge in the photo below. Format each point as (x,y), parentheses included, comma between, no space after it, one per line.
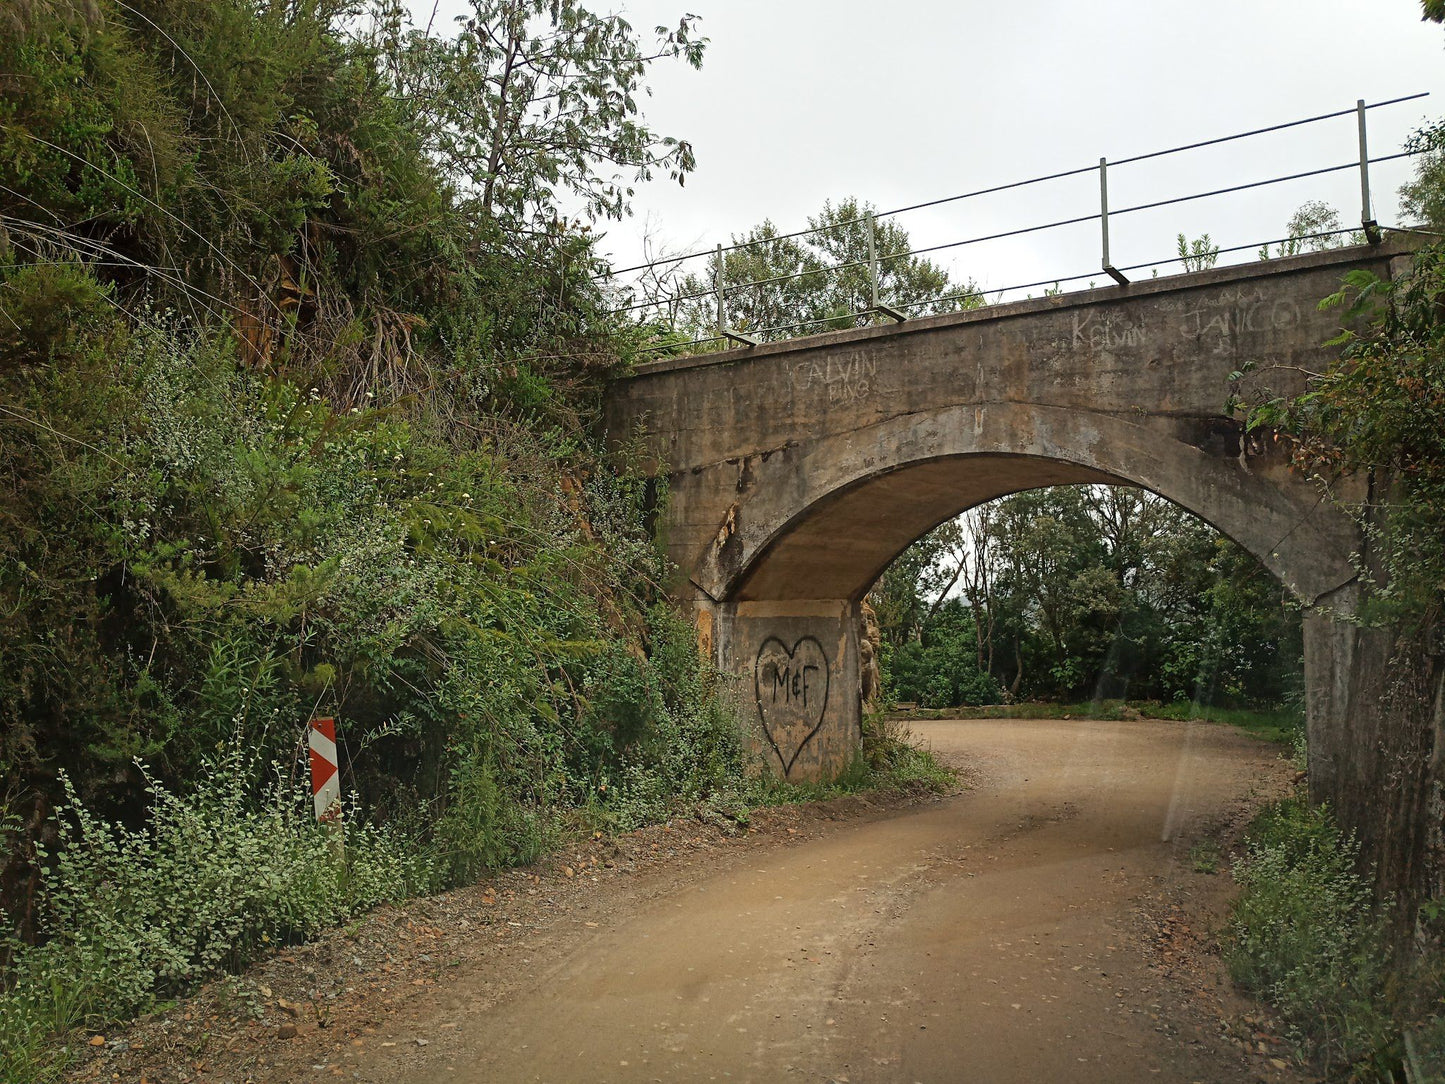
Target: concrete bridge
(799,470)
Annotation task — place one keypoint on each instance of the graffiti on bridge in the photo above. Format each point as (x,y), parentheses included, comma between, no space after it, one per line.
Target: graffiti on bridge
(792,694)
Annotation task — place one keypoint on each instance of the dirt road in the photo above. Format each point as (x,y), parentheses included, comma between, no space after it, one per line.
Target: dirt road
(986,938)
(1050,923)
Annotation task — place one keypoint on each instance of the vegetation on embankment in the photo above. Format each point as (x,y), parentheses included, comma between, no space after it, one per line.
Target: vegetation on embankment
(1307,937)
(299,375)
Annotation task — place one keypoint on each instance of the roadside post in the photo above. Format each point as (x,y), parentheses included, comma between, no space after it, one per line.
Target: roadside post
(326,779)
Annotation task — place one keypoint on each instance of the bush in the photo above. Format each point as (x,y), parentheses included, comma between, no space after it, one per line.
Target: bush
(214,879)
(1306,938)
(942,673)
(895,760)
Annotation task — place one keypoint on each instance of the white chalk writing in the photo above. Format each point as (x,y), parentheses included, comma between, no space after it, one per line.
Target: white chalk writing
(846,380)
(1106,333)
(1236,312)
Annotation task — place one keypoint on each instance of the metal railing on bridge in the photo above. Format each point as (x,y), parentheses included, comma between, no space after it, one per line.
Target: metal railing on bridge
(659,291)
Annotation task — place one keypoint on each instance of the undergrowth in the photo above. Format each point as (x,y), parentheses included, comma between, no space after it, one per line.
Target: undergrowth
(1307,937)
(217,877)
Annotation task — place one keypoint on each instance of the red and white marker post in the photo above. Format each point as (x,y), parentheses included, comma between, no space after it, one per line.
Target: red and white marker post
(325,779)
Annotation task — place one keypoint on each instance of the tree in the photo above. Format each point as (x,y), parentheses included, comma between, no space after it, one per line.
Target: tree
(917,582)
(1092,591)
(1422,200)
(779,286)
(1314,227)
(533,107)
(981,545)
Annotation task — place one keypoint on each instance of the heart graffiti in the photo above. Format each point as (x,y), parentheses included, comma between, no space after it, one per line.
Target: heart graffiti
(792,692)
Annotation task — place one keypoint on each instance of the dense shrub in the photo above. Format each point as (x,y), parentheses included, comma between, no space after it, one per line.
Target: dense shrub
(214,878)
(1307,937)
(298,405)
(941,672)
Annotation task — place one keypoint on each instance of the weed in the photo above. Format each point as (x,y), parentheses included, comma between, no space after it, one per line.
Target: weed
(212,881)
(1204,856)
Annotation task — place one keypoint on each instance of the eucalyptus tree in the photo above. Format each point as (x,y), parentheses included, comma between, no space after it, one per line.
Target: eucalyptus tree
(532,106)
(779,284)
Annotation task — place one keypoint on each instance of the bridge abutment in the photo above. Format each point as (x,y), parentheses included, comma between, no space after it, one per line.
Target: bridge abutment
(1375,712)
(794,668)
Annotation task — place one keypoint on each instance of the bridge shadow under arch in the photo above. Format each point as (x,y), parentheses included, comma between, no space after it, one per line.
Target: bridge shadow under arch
(850,507)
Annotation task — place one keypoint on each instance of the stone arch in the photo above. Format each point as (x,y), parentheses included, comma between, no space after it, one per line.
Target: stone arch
(823,521)
(798,470)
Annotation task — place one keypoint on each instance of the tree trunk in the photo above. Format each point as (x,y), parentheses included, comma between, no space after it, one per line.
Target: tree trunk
(500,122)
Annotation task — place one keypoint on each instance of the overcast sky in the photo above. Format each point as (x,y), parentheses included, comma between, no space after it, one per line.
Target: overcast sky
(799,101)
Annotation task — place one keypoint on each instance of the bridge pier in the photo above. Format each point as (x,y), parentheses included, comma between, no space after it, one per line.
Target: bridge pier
(795,669)
(1375,712)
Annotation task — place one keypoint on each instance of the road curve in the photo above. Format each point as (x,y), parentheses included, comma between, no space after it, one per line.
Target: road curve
(989,937)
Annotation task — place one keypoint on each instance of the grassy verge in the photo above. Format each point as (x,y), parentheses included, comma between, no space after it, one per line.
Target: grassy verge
(1306,937)
(1272,724)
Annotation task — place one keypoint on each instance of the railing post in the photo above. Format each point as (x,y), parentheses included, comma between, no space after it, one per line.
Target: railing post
(872,264)
(723,330)
(874,304)
(1367,216)
(717,282)
(1113,272)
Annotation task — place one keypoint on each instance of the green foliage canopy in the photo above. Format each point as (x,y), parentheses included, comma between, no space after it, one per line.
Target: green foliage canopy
(779,287)
(1085,592)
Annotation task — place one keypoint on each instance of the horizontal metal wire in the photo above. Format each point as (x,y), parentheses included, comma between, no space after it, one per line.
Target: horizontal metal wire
(992,237)
(893,256)
(671,299)
(678,298)
(1272,128)
(1001,290)
(854,221)
(1145,157)
(1126,210)
(1258,184)
(667,261)
(1256,246)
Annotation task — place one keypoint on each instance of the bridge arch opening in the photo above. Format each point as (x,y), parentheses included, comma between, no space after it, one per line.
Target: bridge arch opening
(1081,593)
(824,524)
(793,572)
